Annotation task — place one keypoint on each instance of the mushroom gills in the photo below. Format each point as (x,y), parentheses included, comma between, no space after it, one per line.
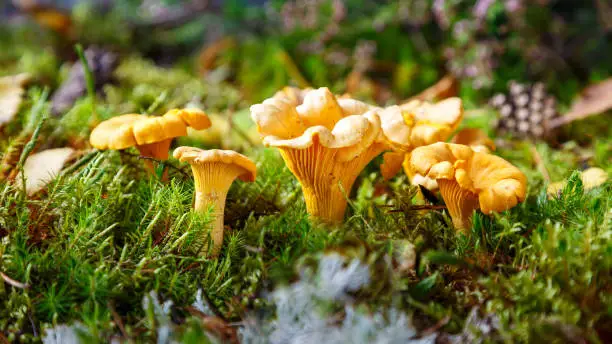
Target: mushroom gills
(460,203)
(326,181)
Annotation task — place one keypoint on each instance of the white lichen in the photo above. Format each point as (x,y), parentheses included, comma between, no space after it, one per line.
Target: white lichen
(303,311)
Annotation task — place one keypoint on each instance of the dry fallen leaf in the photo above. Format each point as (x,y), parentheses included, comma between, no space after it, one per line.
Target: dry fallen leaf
(208,56)
(40,168)
(11,92)
(445,88)
(593,100)
(47,15)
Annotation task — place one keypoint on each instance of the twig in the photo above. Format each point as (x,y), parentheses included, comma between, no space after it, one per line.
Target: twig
(431,330)
(117,320)
(166,163)
(14,283)
(33,324)
(537,158)
(418,207)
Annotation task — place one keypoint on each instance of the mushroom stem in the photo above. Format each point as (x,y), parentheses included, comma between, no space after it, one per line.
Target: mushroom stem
(326,181)
(212,182)
(157,150)
(460,203)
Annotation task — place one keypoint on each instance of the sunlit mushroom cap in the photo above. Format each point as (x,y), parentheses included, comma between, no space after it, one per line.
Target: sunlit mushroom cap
(195,156)
(299,118)
(498,184)
(130,130)
(419,123)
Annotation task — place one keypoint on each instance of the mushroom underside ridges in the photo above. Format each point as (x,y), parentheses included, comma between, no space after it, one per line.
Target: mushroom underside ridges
(460,203)
(326,181)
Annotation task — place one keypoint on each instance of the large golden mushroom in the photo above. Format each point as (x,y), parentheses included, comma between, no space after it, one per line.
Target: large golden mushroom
(470,180)
(151,135)
(325,141)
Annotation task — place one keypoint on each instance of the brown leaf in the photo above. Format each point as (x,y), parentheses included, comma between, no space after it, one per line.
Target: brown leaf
(209,54)
(593,100)
(47,16)
(11,93)
(42,167)
(444,88)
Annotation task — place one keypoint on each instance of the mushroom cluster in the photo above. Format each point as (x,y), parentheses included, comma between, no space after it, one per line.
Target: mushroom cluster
(325,141)
(416,124)
(470,180)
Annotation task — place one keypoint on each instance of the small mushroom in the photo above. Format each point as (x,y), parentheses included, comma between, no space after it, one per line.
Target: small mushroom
(470,180)
(325,141)
(416,124)
(150,134)
(213,172)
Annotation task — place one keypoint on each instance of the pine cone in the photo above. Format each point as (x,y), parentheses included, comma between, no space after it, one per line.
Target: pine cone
(525,111)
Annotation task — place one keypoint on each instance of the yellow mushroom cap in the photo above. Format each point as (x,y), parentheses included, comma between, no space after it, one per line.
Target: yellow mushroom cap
(424,123)
(131,130)
(498,184)
(345,124)
(417,123)
(196,156)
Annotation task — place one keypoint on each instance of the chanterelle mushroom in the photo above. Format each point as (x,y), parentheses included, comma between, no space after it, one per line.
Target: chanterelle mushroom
(152,135)
(474,138)
(214,172)
(416,124)
(469,180)
(325,141)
